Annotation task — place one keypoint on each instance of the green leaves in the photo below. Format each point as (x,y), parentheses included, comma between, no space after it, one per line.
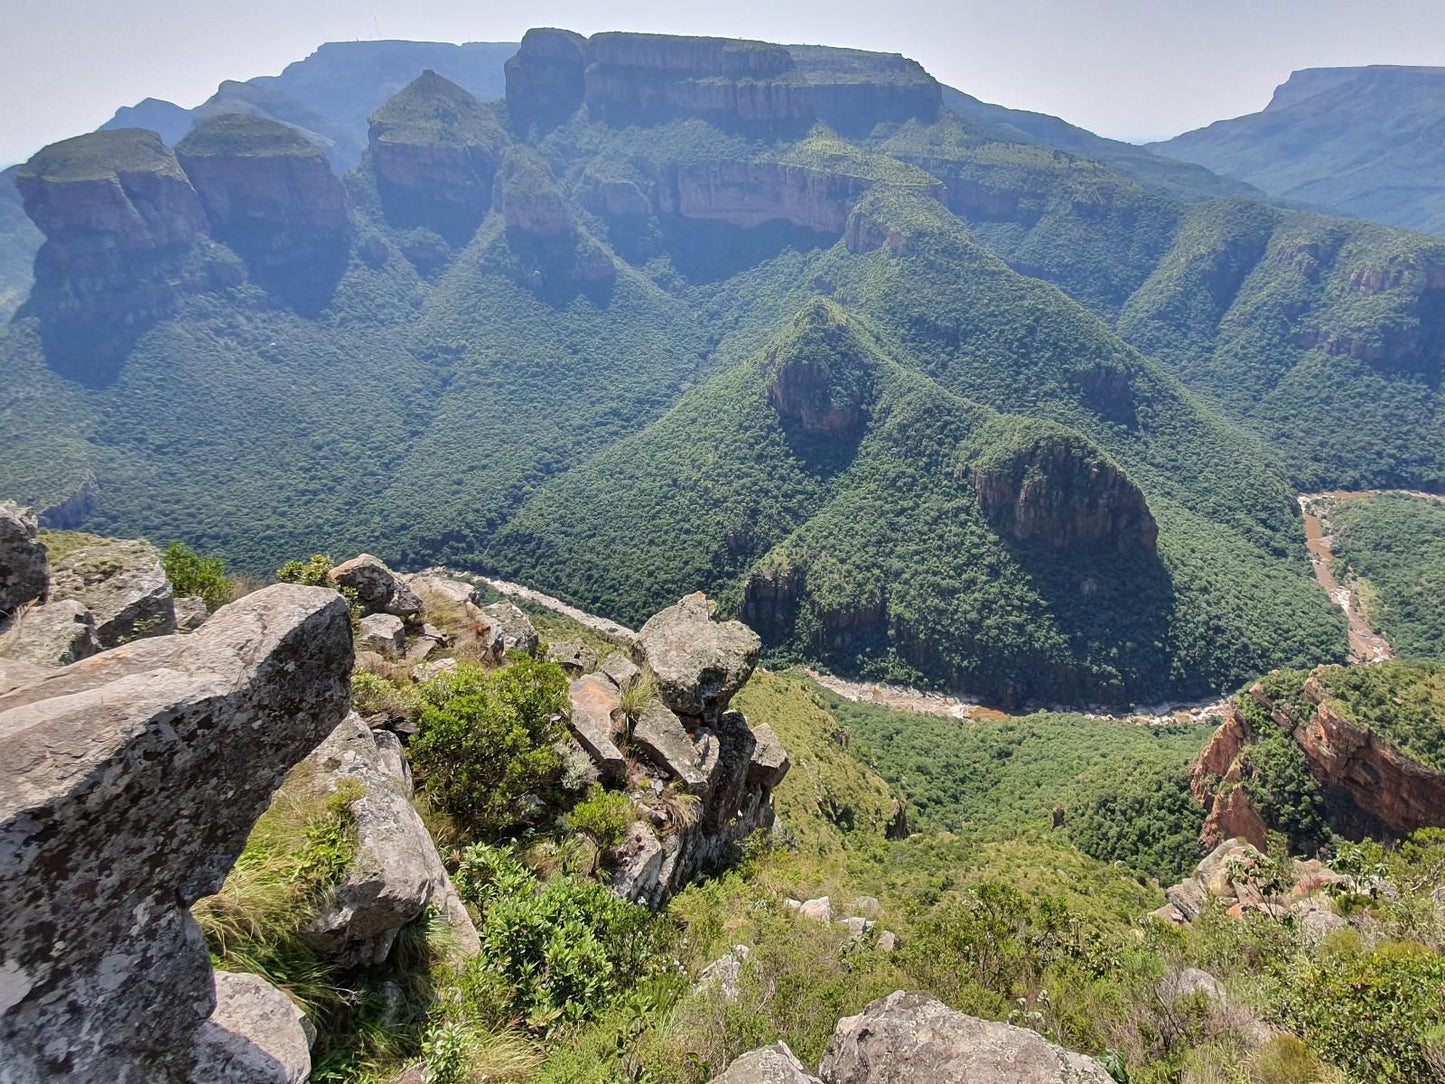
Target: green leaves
(192,574)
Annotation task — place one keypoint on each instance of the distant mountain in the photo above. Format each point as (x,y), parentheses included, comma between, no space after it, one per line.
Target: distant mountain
(1365,142)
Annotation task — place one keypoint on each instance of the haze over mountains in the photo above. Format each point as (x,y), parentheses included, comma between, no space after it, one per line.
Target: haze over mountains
(924,388)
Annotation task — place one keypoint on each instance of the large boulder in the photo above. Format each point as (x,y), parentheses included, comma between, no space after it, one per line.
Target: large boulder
(23,574)
(123,583)
(55,634)
(378,589)
(396,871)
(666,743)
(128,785)
(769,1065)
(697,663)
(518,632)
(908,1037)
(594,704)
(256,1035)
(382,633)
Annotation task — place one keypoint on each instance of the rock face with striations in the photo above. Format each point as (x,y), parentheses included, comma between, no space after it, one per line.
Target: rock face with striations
(914,1037)
(266,190)
(119,216)
(435,150)
(129,784)
(23,574)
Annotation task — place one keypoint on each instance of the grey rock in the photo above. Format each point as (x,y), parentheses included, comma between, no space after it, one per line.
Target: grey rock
(637,876)
(446,588)
(622,671)
(1188,897)
(14,674)
(769,1065)
(23,573)
(887,941)
(724,973)
(818,910)
(1188,982)
(666,743)
(573,657)
(1317,924)
(128,785)
(435,668)
(698,663)
(255,1035)
(909,1037)
(431,632)
(55,634)
(594,700)
(123,584)
(769,762)
(396,872)
(378,589)
(191,613)
(856,925)
(392,758)
(518,632)
(384,634)
(420,649)
(867,906)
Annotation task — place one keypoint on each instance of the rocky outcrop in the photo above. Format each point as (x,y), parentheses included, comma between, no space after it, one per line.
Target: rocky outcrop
(1037,481)
(55,634)
(748,194)
(383,634)
(396,872)
(530,200)
(119,217)
(122,584)
(908,1037)
(266,190)
(434,151)
(593,722)
(130,783)
(1217,784)
(23,573)
(255,1035)
(545,78)
(698,664)
(516,628)
(770,1065)
(378,589)
(819,375)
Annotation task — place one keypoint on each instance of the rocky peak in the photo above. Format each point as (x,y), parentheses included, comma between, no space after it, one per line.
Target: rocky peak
(529,197)
(544,79)
(267,190)
(820,375)
(435,151)
(1037,480)
(130,783)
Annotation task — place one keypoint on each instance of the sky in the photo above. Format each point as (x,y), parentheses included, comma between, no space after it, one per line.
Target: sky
(1130,69)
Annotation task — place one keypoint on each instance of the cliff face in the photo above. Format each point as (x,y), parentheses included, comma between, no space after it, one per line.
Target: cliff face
(118,215)
(1043,482)
(265,189)
(648,78)
(435,151)
(819,375)
(749,194)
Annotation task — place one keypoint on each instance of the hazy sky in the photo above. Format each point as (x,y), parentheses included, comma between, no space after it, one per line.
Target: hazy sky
(1132,69)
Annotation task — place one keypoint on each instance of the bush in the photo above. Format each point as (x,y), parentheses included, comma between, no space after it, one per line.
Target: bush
(603,816)
(192,574)
(485,738)
(372,694)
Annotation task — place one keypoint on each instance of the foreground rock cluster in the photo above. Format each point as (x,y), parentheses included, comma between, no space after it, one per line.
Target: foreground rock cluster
(914,1037)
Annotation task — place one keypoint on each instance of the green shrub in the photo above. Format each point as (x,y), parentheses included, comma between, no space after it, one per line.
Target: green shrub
(485,738)
(372,694)
(487,872)
(192,574)
(314,572)
(1149,821)
(603,816)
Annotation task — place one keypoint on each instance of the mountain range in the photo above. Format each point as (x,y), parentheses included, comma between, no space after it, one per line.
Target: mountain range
(923,388)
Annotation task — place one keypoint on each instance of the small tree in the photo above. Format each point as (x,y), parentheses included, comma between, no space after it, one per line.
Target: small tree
(192,574)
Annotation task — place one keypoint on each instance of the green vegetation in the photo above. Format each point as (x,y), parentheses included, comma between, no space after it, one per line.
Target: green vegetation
(1393,547)
(245,134)
(192,574)
(60,544)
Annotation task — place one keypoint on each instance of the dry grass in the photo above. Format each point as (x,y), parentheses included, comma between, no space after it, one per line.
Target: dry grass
(683,808)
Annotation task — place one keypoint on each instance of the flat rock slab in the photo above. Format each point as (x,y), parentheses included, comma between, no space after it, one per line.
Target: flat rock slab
(667,744)
(594,702)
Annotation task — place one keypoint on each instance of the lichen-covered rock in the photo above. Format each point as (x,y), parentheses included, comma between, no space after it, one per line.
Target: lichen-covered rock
(378,589)
(382,633)
(23,572)
(769,1065)
(621,671)
(255,1035)
(573,657)
(128,785)
(191,613)
(56,634)
(769,762)
(123,584)
(396,871)
(666,743)
(907,1037)
(697,663)
(724,974)
(517,631)
(594,704)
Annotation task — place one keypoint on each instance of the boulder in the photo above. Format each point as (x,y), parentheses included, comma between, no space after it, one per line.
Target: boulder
(396,871)
(55,634)
(384,634)
(594,700)
(818,910)
(378,589)
(769,763)
(23,573)
(255,1035)
(666,743)
(191,613)
(123,584)
(1188,898)
(769,1065)
(435,668)
(129,782)
(857,926)
(698,663)
(723,974)
(621,671)
(887,941)
(1190,982)
(908,1037)
(637,875)
(518,632)
(443,587)
(573,657)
